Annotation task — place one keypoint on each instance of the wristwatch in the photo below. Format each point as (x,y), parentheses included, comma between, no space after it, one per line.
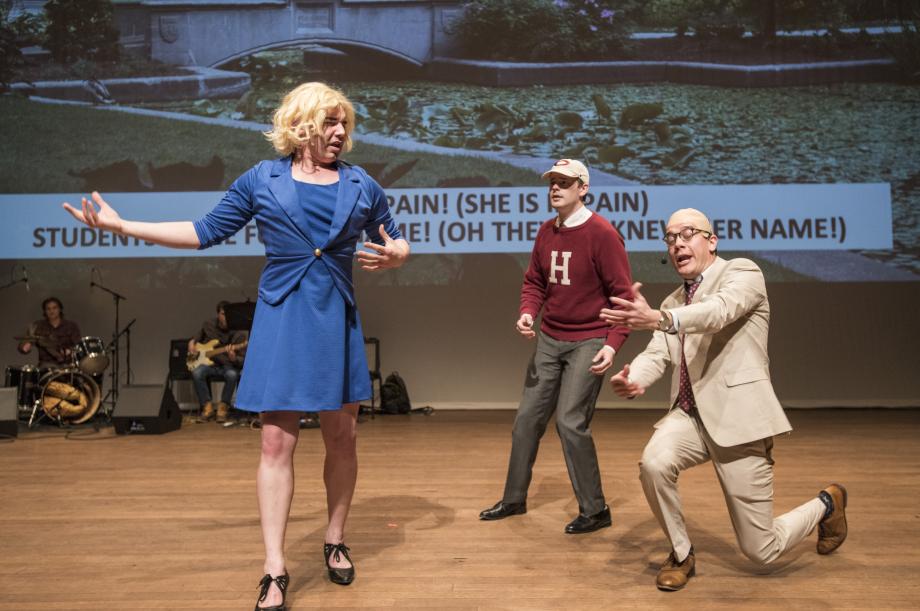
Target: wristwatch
(664,323)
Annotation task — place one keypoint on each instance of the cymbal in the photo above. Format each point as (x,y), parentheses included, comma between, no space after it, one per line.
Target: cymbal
(34,338)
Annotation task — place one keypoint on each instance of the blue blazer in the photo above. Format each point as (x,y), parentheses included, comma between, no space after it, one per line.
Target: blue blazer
(267,193)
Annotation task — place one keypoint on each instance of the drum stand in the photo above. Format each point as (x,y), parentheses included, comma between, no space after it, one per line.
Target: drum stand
(41,414)
(32,418)
(37,410)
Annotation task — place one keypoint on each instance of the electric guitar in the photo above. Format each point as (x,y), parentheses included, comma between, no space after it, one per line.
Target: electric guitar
(205,350)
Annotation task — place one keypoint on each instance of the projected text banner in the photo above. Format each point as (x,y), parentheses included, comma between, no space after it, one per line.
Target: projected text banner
(491,220)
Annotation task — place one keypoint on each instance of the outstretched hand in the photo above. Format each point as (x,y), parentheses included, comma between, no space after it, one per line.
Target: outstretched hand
(390,255)
(625,387)
(635,314)
(103,218)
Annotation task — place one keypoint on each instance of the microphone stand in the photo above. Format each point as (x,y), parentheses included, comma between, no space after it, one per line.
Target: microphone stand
(112,395)
(127,333)
(24,280)
(128,374)
(12,283)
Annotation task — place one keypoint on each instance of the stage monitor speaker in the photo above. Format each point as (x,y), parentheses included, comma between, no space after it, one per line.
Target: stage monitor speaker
(9,412)
(146,409)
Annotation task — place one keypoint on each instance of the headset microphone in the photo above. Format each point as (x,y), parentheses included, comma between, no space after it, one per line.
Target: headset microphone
(664,260)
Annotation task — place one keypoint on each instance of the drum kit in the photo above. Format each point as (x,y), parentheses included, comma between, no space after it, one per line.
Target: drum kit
(66,395)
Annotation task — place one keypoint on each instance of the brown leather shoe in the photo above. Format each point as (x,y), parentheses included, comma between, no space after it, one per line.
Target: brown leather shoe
(207,411)
(674,575)
(832,530)
(222,410)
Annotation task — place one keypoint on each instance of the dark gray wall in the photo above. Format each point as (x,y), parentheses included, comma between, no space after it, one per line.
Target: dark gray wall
(831,343)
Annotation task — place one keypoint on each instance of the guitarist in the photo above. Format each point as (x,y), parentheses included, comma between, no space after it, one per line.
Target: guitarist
(227,365)
(54,336)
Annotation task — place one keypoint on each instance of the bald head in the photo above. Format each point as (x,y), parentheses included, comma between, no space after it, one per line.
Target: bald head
(694,254)
(690,217)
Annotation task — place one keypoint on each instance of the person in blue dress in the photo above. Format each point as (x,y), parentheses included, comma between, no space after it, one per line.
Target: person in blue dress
(306,350)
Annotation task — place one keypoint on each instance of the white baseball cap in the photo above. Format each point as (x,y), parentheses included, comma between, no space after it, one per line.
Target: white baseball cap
(568,167)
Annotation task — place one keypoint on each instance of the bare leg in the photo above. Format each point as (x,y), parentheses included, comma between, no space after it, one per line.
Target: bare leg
(340,470)
(275,485)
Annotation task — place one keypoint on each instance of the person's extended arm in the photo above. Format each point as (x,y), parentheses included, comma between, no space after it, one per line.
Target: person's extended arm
(742,289)
(175,234)
(612,266)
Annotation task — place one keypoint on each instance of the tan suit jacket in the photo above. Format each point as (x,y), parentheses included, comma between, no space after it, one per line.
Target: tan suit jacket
(724,333)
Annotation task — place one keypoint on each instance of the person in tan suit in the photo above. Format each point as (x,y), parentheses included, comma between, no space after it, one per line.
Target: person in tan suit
(713,331)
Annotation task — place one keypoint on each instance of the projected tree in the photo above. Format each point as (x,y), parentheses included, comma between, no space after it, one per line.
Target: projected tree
(81,29)
(15,33)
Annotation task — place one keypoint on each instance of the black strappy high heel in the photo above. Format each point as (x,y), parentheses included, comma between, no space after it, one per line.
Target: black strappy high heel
(343,577)
(266,583)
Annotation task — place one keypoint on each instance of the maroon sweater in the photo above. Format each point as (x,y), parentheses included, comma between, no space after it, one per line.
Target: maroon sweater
(572,286)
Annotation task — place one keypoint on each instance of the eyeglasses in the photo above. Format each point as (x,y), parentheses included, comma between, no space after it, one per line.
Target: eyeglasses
(686,234)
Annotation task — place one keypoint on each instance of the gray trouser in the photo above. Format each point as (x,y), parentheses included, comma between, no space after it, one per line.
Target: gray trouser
(745,472)
(558,379)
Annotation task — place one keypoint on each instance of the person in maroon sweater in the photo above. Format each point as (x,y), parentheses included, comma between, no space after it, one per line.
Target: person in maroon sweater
(578,262)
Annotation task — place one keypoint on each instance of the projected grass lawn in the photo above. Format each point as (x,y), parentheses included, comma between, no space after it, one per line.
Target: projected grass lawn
(48,147)
(662,133)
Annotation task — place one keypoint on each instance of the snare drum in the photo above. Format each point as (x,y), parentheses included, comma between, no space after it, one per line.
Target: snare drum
(25,379)
(90,355)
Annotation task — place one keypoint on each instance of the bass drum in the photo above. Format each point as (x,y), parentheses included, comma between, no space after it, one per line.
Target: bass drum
(69,395)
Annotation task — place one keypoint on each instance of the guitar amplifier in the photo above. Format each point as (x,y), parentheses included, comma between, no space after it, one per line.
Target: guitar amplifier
(178,351)
(240,315)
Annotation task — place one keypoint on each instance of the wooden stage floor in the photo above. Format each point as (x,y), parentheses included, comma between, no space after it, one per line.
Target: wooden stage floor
(97,521)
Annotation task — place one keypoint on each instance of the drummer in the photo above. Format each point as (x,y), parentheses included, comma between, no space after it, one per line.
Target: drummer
(54,335)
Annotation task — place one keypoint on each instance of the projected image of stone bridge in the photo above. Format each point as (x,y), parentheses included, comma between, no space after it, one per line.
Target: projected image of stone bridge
(213,33)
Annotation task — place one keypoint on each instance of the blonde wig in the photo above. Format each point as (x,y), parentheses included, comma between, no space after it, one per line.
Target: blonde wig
(301,116)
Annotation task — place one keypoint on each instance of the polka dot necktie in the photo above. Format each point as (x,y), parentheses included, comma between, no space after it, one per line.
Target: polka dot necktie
(685,399)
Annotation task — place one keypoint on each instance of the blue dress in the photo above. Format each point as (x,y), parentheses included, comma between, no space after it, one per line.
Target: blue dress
(306,347)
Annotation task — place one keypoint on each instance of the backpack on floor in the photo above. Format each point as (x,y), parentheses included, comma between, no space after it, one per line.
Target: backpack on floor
(394,397)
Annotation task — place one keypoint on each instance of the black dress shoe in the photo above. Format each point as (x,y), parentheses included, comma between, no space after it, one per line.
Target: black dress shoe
(502,509)
(265,583)
(343,577)
(587,524)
